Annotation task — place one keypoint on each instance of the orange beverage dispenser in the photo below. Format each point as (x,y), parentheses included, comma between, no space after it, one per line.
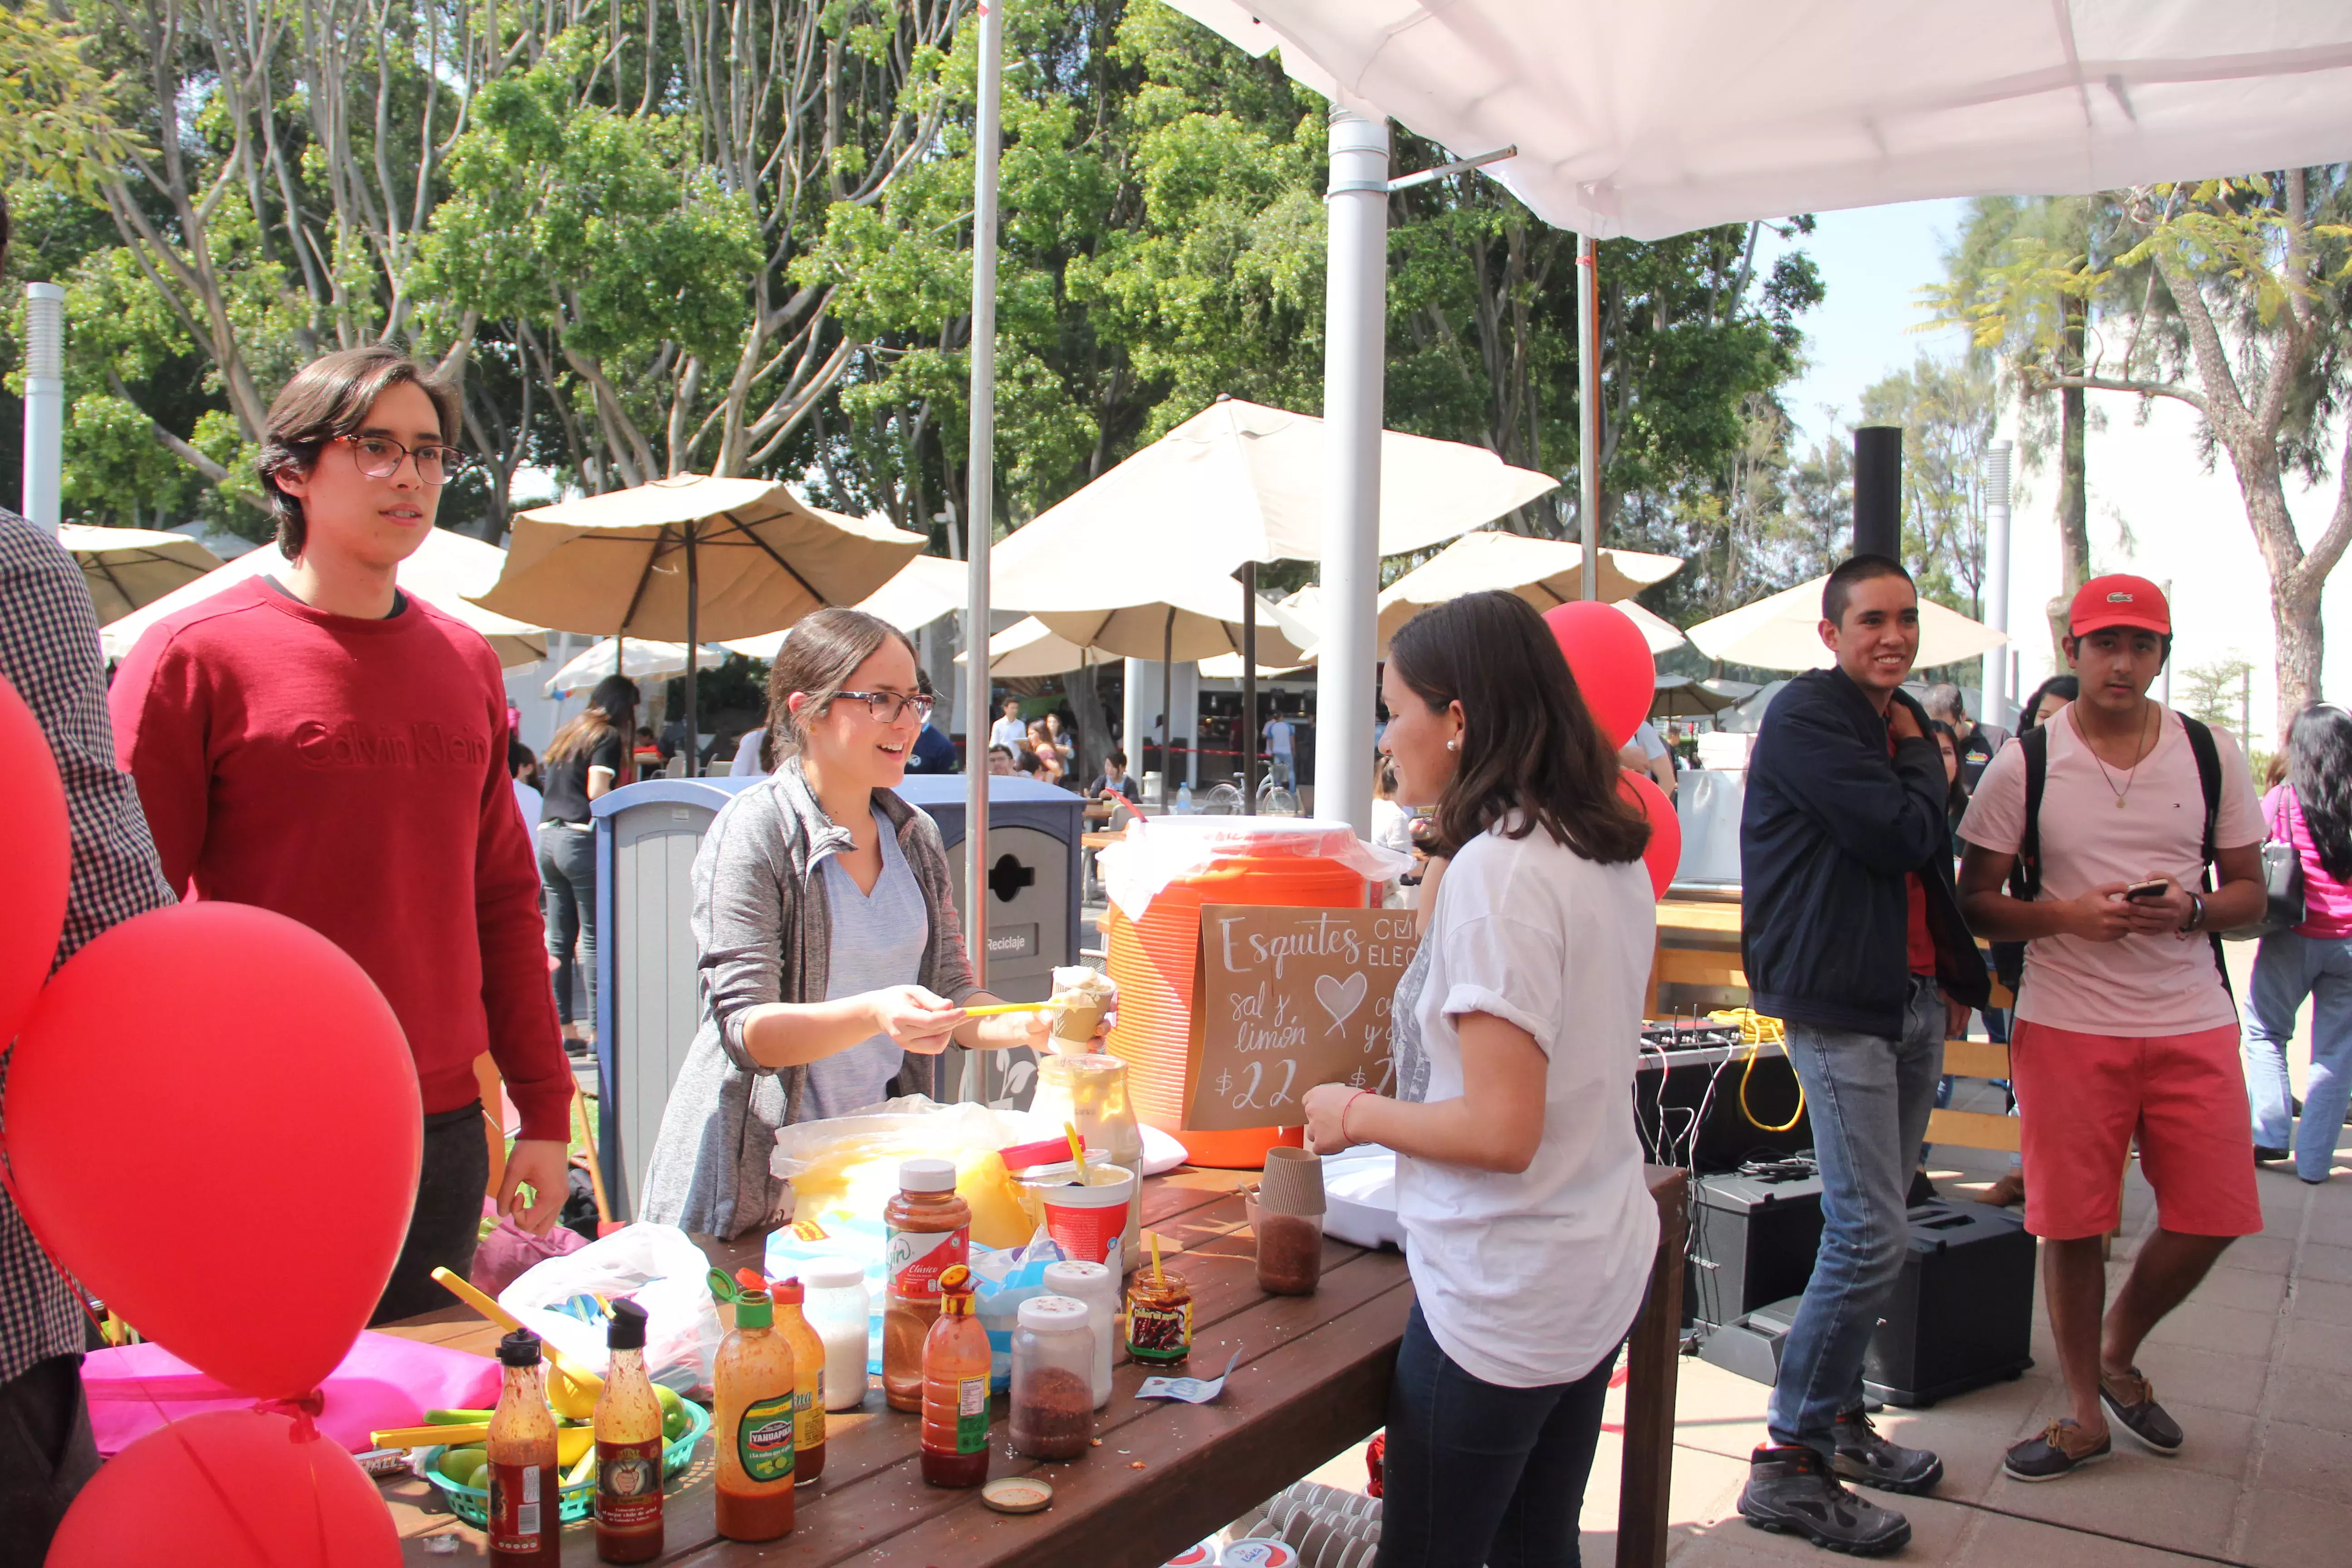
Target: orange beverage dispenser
(1159,877)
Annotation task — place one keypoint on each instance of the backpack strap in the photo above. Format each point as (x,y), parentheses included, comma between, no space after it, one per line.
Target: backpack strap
(2209,779)
(2025,881)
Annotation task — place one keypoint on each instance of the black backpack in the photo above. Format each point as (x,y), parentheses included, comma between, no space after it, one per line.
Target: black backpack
(2025,878)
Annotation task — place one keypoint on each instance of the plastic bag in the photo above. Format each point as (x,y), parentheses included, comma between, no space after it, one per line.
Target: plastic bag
(657,1267)
(510,1252)
(847,1166)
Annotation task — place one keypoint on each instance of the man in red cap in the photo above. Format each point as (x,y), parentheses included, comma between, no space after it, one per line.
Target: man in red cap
(2115,809)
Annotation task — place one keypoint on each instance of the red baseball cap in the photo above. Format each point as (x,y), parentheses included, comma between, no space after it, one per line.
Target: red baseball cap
(2118,600)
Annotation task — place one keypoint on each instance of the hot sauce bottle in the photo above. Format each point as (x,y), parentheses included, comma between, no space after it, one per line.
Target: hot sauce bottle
(526,1518)
(955,1388)
(754,1378)
(808,1382)
(628,1447)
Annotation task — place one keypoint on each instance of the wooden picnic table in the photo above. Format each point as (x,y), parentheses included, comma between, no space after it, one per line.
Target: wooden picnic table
(1312,1381)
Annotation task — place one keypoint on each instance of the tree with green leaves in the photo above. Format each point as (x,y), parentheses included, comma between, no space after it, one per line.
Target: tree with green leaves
(1946,410)
(2242,316)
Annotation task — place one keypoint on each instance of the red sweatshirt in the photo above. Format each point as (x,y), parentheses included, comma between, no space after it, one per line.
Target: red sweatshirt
(352,774)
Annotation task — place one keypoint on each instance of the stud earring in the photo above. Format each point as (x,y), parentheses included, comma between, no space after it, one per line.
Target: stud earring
(1454,744)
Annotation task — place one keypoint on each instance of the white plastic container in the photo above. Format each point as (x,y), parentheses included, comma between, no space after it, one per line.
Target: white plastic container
(1098,1287)
(839,1308)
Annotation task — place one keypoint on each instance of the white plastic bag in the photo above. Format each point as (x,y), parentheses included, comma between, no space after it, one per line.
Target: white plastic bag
(657,1267)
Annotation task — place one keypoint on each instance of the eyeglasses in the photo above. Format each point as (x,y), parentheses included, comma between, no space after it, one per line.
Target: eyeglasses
(886,706)
(379,458)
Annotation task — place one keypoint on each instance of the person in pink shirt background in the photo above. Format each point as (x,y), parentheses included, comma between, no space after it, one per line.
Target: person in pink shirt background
(2313,811)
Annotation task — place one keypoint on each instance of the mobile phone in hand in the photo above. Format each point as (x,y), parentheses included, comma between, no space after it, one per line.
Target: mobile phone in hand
(2151,889)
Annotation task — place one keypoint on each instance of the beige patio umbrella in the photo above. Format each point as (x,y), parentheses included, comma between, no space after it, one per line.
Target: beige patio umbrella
(1543,572)
(1028,648)
(128,567)
(692,559)
(447,569)
(1782,632)
(925,588)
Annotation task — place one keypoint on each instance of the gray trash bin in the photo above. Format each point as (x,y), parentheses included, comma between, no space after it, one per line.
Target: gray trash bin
(647,836)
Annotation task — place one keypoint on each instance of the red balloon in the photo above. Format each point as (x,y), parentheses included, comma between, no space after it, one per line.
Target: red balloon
(38,852)
(1665,850)
(213,1120)
(1611,662)
(229,1489)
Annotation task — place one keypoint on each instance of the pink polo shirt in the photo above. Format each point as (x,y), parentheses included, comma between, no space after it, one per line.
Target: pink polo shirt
(2327,902)
(2139,985)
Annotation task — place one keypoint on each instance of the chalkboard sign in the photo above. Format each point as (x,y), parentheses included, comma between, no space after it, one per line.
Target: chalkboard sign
(1285,998)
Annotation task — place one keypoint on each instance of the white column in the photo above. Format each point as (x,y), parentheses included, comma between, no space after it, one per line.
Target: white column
(44,404)
(1995,679)
(1355,348)
(980,486)
(1139,702)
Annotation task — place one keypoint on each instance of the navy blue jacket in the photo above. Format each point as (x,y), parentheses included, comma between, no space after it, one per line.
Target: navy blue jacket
(1830,828)
(932,752)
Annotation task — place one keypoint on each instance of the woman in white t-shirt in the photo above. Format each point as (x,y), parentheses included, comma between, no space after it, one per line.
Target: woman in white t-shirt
(1529,1226)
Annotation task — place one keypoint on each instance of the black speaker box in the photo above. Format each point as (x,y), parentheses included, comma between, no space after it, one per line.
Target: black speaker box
(1753,1242)
(1962,1313)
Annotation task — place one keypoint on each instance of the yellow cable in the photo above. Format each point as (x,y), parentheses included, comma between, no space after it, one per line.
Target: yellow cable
(1757,1031)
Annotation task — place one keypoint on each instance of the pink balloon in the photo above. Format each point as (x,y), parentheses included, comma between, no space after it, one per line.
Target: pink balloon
(230,1488)
(1611,662)
(37,849)
(213,1120)
(1665,849)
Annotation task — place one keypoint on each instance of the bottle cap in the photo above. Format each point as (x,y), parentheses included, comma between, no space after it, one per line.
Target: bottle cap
(926,1175)
(1073,1278)
(840,1274)
(955,1291)
(1053,1314)
(786,1292)
(626,1331)
(753,1310)
(518,1349)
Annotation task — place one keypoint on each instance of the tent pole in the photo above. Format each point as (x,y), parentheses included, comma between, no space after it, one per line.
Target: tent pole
(1354,322)
(1166,703)
(693,741)
(1249,689)
(1588,409)
(980,486)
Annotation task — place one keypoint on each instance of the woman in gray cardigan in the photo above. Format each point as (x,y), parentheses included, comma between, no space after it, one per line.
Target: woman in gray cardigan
(831,959)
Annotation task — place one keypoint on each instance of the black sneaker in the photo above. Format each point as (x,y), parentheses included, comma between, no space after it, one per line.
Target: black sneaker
(2266,1155)
(2130,1400)
(2048,1457)
(1790,1491)
(1865,1457)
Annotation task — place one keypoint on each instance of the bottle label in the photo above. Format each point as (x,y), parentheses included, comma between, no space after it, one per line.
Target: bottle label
(1159,1333)
(522,1507)
(972,1414)
(808,1416)
(629,1484)
(917,1258)
(764,1438)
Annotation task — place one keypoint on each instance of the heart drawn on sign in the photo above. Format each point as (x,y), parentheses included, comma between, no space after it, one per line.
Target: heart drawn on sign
(1341,998)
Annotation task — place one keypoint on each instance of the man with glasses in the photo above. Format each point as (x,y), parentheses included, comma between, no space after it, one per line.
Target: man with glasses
(321,744)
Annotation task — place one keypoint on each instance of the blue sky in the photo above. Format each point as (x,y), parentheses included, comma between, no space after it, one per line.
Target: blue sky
(1871,260)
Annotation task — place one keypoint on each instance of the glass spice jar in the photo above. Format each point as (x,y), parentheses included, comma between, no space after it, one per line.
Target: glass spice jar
(1159,1318)
(1052,1385)
(1290,1253)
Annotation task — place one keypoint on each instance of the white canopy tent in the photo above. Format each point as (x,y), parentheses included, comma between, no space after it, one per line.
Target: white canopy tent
(1782,631)
(638,659)
(925,588)
(1646,121)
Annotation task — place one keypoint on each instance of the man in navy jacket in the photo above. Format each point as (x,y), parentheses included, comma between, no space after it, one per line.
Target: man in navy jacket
(1854,938)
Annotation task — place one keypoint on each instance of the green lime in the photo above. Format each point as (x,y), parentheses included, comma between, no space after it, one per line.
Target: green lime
(464,1466)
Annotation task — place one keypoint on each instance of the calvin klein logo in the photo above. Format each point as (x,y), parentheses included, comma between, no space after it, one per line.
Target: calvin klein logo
(421,744)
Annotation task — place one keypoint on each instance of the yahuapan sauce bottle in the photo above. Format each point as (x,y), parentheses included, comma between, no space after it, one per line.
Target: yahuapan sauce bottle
(754,1379)
(526,1518)
(808,1380)
(955,1388)
(628,1447)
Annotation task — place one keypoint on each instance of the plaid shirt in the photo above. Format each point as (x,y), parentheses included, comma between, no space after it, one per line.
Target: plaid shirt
(49,653)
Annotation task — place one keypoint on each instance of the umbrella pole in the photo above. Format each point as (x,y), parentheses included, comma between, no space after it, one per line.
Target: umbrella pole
(1588,414)
(693,658)
(1167,705)
(1249,689)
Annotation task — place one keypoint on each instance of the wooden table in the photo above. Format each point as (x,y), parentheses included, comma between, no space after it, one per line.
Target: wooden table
(1313,1380)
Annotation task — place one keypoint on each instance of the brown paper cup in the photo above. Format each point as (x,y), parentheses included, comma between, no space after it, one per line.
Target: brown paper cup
(1073,1020)
(1292,1183)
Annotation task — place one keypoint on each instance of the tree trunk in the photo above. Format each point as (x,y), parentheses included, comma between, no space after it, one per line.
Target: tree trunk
(2074,497)
(1093,725)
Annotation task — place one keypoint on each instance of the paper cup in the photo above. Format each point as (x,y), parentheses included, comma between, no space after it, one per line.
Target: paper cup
(1075,1021)
(1085,1222)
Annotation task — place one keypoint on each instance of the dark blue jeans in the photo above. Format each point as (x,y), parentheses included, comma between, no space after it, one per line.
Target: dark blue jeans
(1481,1474)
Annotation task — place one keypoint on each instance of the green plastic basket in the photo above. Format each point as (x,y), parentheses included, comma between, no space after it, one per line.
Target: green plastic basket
(472,1504)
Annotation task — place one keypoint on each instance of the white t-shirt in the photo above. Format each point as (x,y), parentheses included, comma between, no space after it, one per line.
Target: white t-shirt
(530,803)
(1278,737)
(1653,745)
(1011,733)
(1527,1281)
(2136,986)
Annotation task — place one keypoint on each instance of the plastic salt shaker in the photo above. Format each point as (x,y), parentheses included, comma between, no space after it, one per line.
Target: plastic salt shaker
(839,1309)
(1098,1287)
(1053,1413)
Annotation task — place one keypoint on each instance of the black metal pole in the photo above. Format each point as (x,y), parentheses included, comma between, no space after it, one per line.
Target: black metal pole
(693,658)
(1249,689)
(1878,491)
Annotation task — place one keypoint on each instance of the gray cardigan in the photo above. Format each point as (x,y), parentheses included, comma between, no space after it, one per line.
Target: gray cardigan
(762,933)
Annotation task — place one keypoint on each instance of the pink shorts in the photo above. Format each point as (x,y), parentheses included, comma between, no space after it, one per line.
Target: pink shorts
(2080,1096)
